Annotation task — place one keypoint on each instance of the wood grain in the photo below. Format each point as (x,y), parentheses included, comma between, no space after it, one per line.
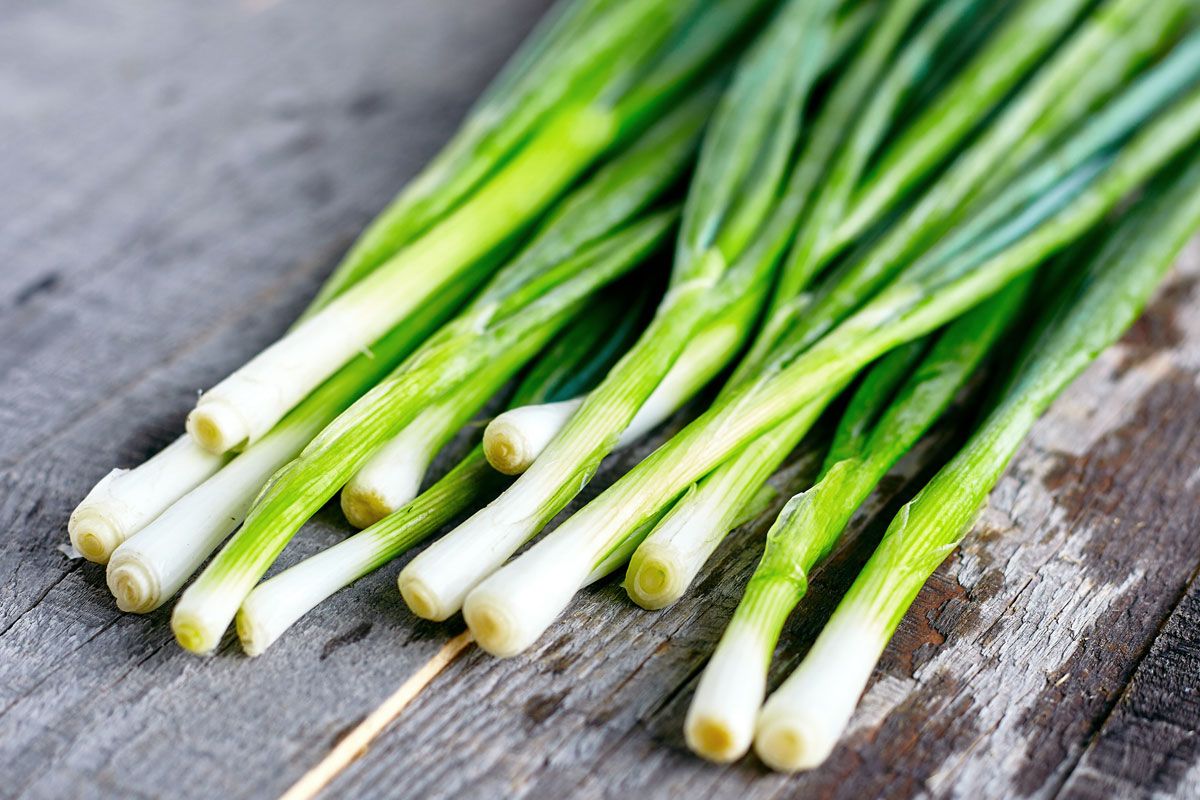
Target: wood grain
(178,178)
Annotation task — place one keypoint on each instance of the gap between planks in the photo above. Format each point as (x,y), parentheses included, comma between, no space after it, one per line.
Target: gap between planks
(354,745)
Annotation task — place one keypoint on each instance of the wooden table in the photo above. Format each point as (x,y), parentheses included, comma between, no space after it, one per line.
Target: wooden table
(177,178)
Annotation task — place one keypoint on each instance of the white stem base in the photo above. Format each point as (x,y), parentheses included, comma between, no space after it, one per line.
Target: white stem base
(803,720)
(436,582)
(125,501)
(665,565)
(154,563)
(512,608)
(391,479)
(276,604)
(513,440)
(720,721)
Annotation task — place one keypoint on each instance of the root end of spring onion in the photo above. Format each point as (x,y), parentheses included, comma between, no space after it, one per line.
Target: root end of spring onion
(792,744)
(135,586)
(217,426)
(495,630)
(192,635)
(95,527)
(506,449)
(421,600)
(654,578)
(711,738)
(514,439)
(801,722)
(362,507)
(720,720)
(254,639)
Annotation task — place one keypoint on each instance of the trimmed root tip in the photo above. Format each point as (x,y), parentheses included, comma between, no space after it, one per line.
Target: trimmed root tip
(421,600)
(217,426)
(191,634)
(714,740)
(363,508)
(790,744)
(135,586)
(653,580)
(494,629)
(506,449)
(95,534)
(254,639)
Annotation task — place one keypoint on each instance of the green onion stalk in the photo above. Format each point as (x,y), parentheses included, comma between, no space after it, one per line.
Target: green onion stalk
(153,564)
(394,475)
(549,83)
(514,606)
(1034,121)
(801,722)
(597,233)
(600,106)
(902,396)
(518,437)
(666,563)
(669,560)
(580,355)
(743,166)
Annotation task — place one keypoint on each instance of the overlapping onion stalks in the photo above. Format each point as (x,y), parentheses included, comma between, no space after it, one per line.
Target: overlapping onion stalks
(580,355)
(579,95)
(591,76)
(897,402)
(743,166)
(1105,160)
(803,719)
(601,231)
(663,568)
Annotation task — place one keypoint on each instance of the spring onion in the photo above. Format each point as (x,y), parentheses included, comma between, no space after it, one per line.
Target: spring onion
(526,304)
(512,608)
(743,164)
(153,564)
(583,352)
(901,397)
(803,719)
(602,107)
(667,562)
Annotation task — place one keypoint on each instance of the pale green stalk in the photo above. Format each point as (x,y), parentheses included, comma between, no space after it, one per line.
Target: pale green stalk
(801,722)
(508,323)
(511,609)
(603,110)
(581,354)
(896,404)
(742,165)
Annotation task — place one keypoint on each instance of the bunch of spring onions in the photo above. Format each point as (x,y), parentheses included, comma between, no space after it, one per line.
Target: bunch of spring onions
(863,199)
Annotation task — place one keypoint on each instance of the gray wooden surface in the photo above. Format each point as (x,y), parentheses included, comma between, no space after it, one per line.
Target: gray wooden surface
(177,176)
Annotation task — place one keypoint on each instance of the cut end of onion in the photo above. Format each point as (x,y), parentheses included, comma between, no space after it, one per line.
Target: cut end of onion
(494,629)
(422,600)
(255,638)
(363,508)
(217,426)
(792,743)
(713,739)
(95,532)
(506,448)
(135,586)
(654,580)
(192,634)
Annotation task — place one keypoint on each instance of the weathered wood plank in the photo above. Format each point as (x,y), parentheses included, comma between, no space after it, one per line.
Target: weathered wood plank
(1149,745)
(180,174)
